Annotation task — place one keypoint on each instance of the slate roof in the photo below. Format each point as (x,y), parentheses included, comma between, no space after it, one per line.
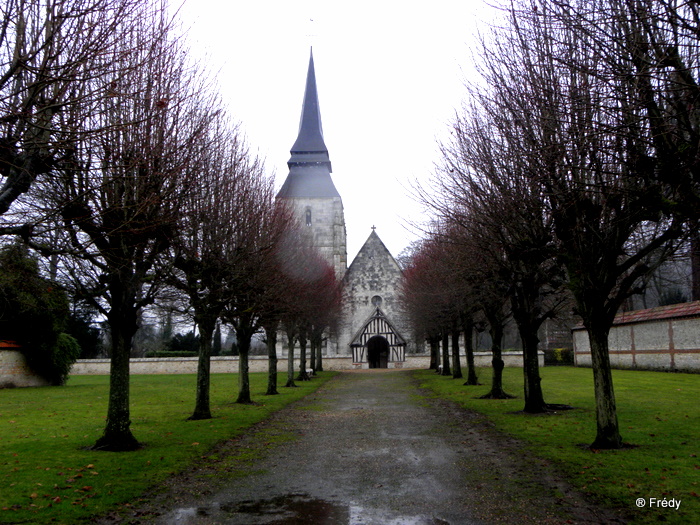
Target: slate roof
(308,181)
(310,164)
(373,245)
(310,138)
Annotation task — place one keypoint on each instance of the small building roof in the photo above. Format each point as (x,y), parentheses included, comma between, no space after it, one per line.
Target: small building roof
(660,313)
(672,311)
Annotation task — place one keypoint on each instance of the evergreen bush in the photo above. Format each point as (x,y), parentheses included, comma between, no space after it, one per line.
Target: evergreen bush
(34,312)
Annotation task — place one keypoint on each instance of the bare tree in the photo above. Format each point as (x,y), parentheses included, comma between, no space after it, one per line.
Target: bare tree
(486,190)
(325,299)
(656,49)
(120,189)
(278,288)
(258,236)
(322,303)
(51,51)
(310,298)
(425,297)
(436,292)
(205,250)
(566,93)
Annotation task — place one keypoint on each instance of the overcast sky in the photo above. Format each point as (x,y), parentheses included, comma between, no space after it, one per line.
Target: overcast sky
(390,75)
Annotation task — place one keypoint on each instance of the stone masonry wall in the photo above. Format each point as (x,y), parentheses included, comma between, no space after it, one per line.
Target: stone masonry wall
(226,364)
(652,339)
(373,279)
(14,371)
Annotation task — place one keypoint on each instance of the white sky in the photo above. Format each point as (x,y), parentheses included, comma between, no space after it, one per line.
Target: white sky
(390,75)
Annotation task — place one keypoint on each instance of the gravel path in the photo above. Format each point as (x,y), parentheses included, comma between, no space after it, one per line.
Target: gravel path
(369,448)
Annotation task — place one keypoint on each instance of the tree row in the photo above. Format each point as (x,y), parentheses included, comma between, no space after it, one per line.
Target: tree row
(121,168)
(571,174)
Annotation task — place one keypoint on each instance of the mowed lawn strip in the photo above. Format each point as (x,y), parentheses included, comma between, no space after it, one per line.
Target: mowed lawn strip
(658,414)
(46,473)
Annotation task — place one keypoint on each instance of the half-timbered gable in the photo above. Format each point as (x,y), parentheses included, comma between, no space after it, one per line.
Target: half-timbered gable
(378,343)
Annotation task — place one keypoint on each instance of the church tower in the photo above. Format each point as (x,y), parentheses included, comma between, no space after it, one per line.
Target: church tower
(309,185)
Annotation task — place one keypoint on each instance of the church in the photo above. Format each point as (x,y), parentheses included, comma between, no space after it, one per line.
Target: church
(372,330)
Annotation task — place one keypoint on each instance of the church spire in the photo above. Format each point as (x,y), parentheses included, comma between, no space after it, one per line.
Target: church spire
(310,148)
(309,165)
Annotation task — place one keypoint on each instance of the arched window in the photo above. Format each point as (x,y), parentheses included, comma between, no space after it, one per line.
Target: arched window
(308,216)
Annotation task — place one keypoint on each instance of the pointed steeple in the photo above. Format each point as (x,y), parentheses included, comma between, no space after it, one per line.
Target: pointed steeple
(310,146)
(309,165)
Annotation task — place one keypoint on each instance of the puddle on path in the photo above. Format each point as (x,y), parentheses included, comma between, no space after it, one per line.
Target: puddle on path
(294,509)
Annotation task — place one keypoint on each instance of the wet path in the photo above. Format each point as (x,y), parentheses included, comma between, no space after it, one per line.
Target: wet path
(371,450)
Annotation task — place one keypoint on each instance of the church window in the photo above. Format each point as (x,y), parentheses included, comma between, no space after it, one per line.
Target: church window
(377,301)
(308,216)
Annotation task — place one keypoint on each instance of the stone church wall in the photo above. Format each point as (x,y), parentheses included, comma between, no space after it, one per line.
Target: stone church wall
(327,227)
(373,280)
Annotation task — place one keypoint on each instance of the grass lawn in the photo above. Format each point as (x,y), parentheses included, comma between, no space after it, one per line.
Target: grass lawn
(46,474)
(658,414)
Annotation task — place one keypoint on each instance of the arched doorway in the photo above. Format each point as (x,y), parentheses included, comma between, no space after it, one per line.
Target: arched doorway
(377,352)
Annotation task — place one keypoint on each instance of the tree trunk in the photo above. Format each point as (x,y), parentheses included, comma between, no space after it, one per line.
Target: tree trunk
(271,335)
(202,409)
(117,436)
(695,261)
(312,351)
(472,378)
(497,364)
(243,335)
(456,365)
(303,376)
(446,354)
(608,430)
(319,353)
(290,361)
(434,352)
(534,399)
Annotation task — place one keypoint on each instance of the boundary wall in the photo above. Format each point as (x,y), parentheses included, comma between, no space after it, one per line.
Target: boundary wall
(228,364)
(14,371)
(663,338)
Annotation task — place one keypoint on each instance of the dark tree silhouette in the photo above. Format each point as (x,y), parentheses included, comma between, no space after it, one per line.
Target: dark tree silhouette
(50,53)
(119,190)
(205,250)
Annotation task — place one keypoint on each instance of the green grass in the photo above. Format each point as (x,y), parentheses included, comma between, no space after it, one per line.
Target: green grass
(46,474)
(658,414)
